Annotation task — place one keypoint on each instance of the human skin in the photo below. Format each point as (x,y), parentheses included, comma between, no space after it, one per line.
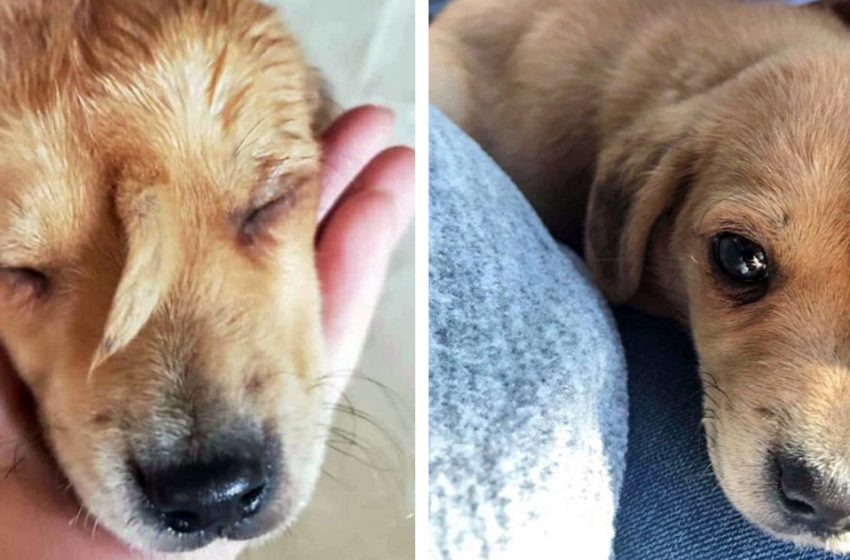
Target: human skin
(366,204)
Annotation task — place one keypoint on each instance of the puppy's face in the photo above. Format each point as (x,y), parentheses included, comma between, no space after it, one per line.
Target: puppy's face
(157,289)
(751,247)
(768,286)
(767,271)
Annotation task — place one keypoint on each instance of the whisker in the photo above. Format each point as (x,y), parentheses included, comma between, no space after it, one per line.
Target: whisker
(336,479)
(360,460)
(76,517)
(17,461)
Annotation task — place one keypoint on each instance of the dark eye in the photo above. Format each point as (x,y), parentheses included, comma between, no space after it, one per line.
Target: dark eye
(740,260)
(21,284)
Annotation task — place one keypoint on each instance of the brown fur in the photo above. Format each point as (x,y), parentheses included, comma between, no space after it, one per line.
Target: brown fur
(136,137)
(653,125)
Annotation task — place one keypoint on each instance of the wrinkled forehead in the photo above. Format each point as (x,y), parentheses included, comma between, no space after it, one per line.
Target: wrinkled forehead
(777,150)
(51,187)
(775,183)
(209,120)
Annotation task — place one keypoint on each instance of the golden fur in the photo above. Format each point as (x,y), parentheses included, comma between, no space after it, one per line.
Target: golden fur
(650,126)
(138,140)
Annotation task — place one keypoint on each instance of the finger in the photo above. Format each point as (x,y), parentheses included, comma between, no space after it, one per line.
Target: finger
(355,247)
(351,142)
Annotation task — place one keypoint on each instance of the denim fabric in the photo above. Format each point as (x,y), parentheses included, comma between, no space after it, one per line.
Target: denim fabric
(434,6)
(527,376)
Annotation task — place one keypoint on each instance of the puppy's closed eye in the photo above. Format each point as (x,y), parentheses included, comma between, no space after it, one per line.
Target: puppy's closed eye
(259,223)
(22,285)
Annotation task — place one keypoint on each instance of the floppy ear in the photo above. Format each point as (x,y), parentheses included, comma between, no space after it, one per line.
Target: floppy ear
(643,173)
(148,269)
(322,105)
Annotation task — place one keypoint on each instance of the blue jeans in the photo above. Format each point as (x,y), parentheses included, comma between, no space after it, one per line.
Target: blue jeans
(670,505)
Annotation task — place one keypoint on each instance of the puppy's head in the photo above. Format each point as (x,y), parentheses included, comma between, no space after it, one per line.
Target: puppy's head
(158,293)
(731,211)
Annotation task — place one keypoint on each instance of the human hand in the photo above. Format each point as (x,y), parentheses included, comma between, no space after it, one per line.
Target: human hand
(366,205)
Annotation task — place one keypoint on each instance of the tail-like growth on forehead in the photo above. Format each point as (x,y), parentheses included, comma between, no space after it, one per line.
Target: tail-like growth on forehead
(147,220)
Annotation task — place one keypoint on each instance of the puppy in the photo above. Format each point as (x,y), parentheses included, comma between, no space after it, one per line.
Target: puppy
(160,174)
(703,149)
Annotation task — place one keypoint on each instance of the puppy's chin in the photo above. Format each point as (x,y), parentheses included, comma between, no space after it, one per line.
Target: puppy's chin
(838,544)
(114,482)
(749,482)
(136,526)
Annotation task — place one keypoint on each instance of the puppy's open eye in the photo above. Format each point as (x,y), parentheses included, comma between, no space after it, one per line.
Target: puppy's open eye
(740,260)
(21,284)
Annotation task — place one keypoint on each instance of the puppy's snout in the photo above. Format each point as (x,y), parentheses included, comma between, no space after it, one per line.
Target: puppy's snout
(811,500)
(215,496)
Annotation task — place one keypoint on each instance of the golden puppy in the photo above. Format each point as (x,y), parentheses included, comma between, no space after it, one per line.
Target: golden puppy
(704,147)
(160,174)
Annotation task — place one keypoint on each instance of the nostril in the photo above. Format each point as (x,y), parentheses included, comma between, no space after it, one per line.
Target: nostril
(183,521)
(250,503)
(796,486)
(798,507)
(815,501)
(196,497)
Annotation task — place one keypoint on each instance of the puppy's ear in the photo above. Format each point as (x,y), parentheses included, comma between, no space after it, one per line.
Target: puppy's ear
(642,174)
(322,105)
(148,269)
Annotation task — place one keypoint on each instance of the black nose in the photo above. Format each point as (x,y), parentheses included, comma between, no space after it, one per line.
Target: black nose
(211,496)
(811,499)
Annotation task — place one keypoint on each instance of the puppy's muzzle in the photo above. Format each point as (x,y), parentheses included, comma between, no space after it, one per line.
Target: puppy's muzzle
(810,499)
(226,489)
